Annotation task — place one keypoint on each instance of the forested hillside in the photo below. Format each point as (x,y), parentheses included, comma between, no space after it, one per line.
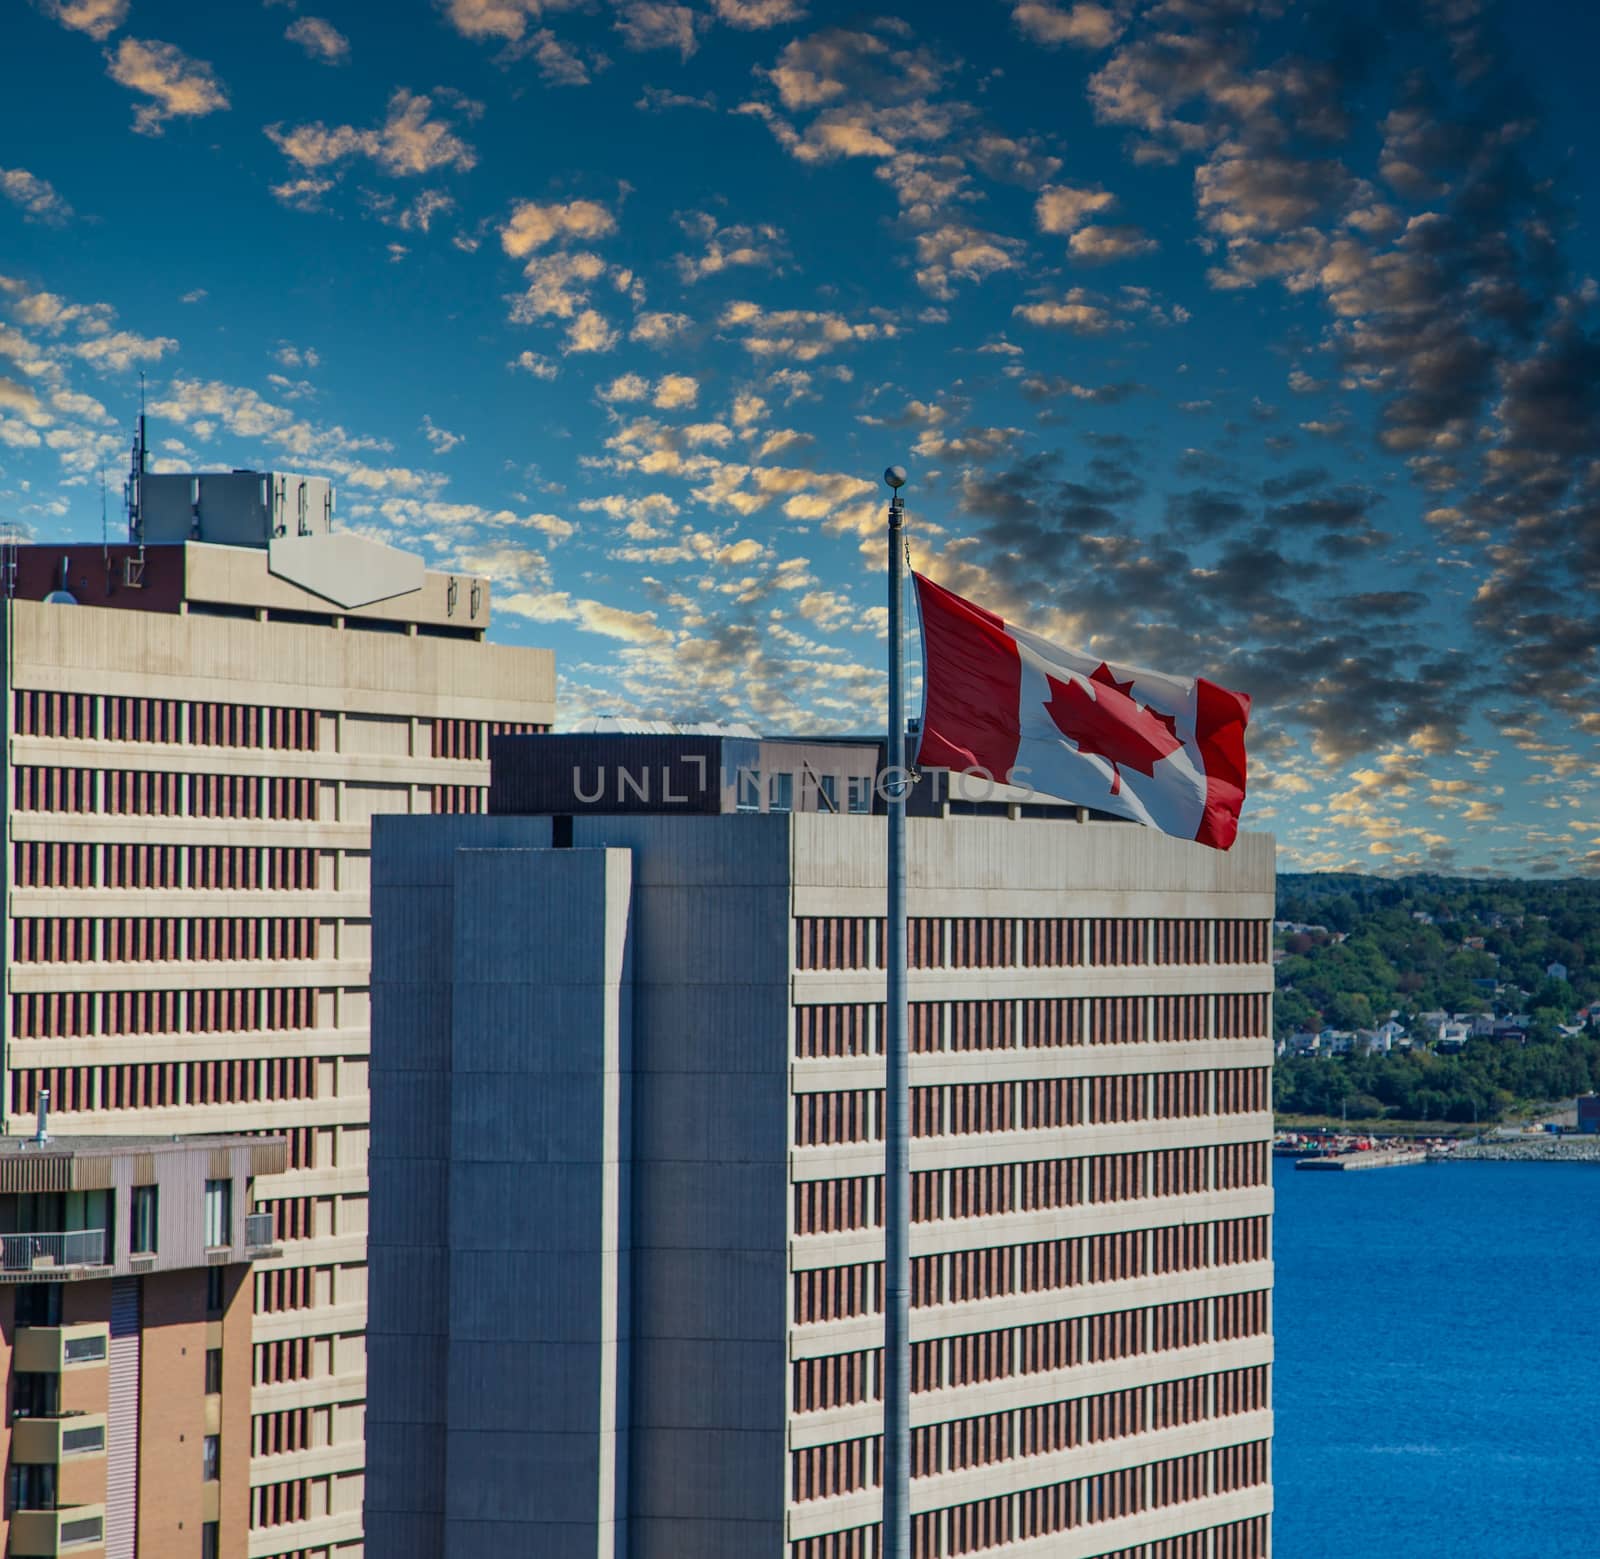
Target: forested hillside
(1360,949)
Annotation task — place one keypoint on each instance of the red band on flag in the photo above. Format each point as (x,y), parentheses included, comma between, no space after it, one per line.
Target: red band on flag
(972,681)
(1220,719)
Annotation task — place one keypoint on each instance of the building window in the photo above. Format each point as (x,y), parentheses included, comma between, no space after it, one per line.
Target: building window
(219,1213)
(210,1542)
(33,1486)
(146,1220)
(860,793)
(214,1294)
(35,1395)
(211,1458)
(213,1371)
(828,791)
(749,797)
(782,794)
(38,1304)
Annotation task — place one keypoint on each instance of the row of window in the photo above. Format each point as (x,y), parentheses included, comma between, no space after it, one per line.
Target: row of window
(284,1288)
(113,718)
(991,1190)
(276,868)
(847,1379)
(144,1237)
(1035,1104)
(141,793)
(844,1029)
(838,1293)
(279,1504)
(470,738)
(75,939)
(278,1434)
(1110,1496)
(164,1085)
(87,1014)
(982,942)
(847,1466)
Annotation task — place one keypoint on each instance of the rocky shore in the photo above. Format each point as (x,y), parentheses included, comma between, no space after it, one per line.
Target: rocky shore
(1565,1150)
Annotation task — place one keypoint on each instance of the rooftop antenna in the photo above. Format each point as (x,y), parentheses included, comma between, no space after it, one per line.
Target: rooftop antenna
(105,540)
(133,500)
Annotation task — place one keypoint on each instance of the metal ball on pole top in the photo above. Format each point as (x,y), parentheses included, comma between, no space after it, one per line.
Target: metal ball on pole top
(896,1543)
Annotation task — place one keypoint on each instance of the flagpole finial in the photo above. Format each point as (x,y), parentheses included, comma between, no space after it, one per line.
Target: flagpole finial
(895,476)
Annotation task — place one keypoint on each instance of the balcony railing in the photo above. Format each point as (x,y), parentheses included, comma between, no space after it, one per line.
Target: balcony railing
(258,1231)
(42,1252)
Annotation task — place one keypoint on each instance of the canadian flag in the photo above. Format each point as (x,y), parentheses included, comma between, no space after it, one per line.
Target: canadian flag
(1002,702)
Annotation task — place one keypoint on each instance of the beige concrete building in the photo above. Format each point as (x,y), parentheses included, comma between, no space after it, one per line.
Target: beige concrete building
(197,737)
(629,1094)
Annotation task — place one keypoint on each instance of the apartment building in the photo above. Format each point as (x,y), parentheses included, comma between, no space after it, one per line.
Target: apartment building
(627,1180)
(125,1348)
(200,725)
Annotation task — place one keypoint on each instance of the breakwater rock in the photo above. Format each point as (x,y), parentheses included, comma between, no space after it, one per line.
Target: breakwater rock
(1555,1150)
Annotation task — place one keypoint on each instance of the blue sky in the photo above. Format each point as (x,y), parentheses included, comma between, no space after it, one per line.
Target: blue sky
(1251,340)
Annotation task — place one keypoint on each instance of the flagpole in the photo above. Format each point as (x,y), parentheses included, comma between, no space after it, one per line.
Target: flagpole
(896,1542)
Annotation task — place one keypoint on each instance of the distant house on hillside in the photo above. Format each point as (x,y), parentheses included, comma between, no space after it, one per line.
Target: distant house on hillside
(1452,1038)
(1556,970)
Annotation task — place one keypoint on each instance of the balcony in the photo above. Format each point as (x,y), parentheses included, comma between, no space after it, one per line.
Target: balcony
(51,1254)
(259,1239)
(69,1529)
(59,1438)
(48,1350)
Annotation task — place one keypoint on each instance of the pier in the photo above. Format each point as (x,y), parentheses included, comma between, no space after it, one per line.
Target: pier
(1381,1158)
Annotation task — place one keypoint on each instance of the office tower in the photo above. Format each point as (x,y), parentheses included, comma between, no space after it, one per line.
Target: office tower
(627,1104)
(199,726)
(125,1348)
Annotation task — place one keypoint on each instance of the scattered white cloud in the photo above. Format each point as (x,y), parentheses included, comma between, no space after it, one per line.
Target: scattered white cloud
(98,18)
(1085,25)
(440,439)
(177,86)
(532,225)
(754,15)
(590,332)
(321,40)
(1061,208)
(37,197)
(653,24)
(533,363)
(408,143)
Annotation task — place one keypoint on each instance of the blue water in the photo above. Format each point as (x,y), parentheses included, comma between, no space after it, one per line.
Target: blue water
(1438,1374)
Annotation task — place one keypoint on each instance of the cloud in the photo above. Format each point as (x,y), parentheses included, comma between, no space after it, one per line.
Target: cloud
(802,335)
(725,248)
(177,86)
(590,332)
(958,253)
(321,40)
(302,194)
(441,440)
(1061,208)
(656,328)
(1101,245)
(37,197)
(532,225)
(1075,313)
(559,286)
(675,391)
(504,19)
(533,363)
(98,18)
(653,24)
(408,143)
(1085,25)
(121,349)
(752,15)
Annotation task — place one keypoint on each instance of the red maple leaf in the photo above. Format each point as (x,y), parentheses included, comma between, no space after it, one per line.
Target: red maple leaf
(1108,723)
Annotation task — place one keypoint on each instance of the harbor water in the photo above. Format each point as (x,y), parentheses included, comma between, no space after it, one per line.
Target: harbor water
(1438,1362)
